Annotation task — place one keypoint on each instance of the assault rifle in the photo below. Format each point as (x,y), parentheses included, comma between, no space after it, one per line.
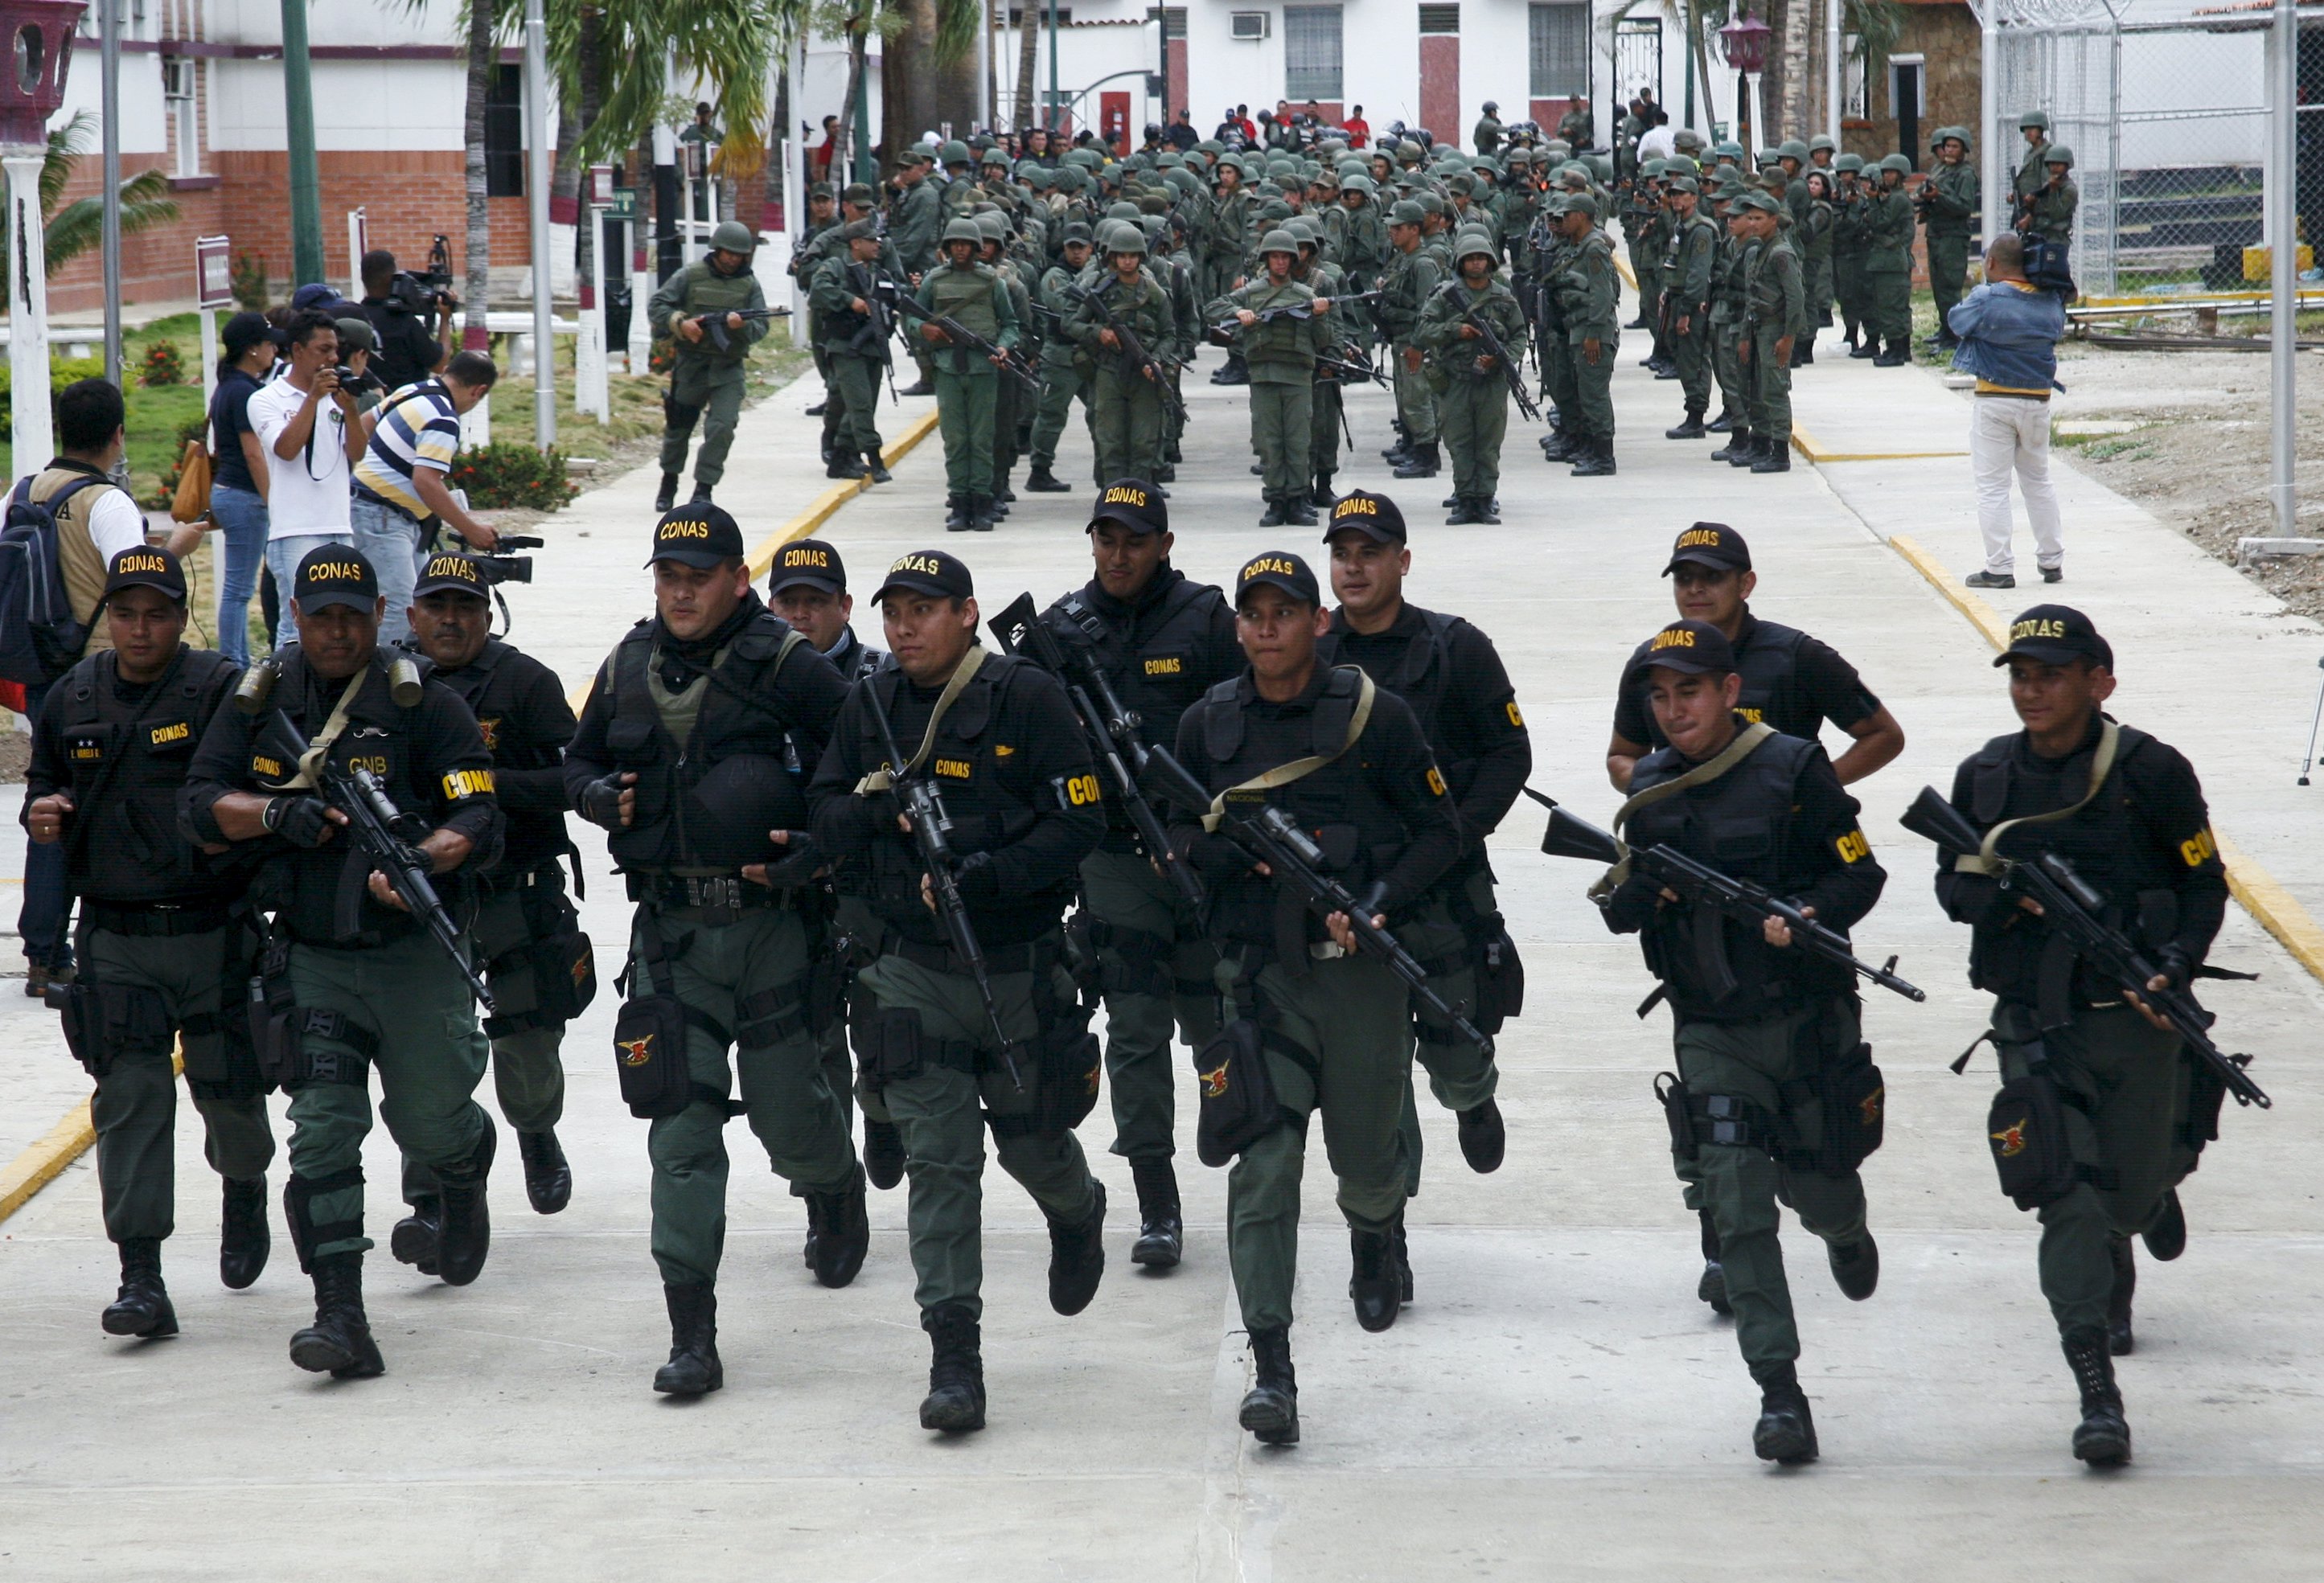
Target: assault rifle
(1269,835)
(1134,357)
(1507,366)
(1111,730)
(1297,310)
(932,833)
(879,319)
(714,324)
(2074,911)
(1010,363)
(1350,362)
(1714,897)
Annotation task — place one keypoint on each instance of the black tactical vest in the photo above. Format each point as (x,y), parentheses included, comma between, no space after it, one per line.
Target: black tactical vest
(127,762)
(1421,678)
(491,688)
(1158,674)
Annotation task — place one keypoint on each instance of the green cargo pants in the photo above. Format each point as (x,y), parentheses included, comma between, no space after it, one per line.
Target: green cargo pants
(1557,378)
(135,1108)
(429,1058)
(1727,367)
(698,385)
(1473,416)
(965,403)
(1282,417)
(1349,1019)
(1692,353)
(1416,398)
(1847,287)
(939,1109)
(1460,1076)
(1948,271)
(1323,449)
(855,394)
(1060,383)
(1156,968)
(2132,1076)
(1593,387)
(1888,309)
(1740,1183)
(777,1065)
(1768,380)
(1126,424)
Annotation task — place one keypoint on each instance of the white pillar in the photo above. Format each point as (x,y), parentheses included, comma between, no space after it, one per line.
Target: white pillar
(641,288)
(2284,259)
(33,435)
(209,356)
(1832,75)
(1995,174)
(536,181)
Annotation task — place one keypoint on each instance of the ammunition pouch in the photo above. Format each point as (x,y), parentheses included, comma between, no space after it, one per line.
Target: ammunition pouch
(890,1045)
(1130,962)
(1671,1094)
(1239,1103)
(2025,1128)
(677,414)
(650,1039)
(1500,977)
(544,973)
(299,1195)
(221,1063)
(1850,1101)
(1060,1065)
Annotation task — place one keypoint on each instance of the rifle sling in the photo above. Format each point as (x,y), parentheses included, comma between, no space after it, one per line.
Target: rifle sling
(1984,861)
(887,775)
(311,762)
(1747,743)
(1298,768)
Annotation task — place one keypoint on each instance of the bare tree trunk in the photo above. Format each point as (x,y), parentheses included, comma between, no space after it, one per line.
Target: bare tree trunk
(1797,14)
(569,173)
(1029,64)
(909,89)
(1701,53)
(843,144)
(482,59)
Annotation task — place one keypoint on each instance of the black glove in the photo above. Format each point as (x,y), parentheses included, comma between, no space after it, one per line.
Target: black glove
(600,802)
(978,877)
(2174,965)
(801,858)
(300,820)
(1216,859)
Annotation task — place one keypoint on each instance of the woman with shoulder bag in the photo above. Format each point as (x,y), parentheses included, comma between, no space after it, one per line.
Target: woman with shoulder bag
(238,475)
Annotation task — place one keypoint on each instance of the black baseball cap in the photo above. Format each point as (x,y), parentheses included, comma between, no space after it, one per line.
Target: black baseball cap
(810,563)
(334,574)
(1710,544)
(2056,634)
(1375,516)
(1278,568)
(451,572)
(1134,503)
(928,571)
(701,535)
(1693,647)
(146,566)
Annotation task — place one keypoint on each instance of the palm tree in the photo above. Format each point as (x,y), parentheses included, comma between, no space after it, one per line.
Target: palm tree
(79,226)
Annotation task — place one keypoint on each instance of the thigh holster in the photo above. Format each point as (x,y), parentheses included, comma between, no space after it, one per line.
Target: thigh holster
(547,976)
(1500,975)
(103,1022)
(891,1045)
(1130,962)
(1060,1065)
(769,1017)
(677,413)
(283,1034)
(1848,1098)
(1728,1121)
(299,1195)
(221,1063)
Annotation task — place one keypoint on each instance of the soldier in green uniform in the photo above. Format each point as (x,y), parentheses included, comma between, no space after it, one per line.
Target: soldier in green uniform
(916,223)
(1775,315)
(2032,172)
(1813,239)
(2049,211)
(1487,133)
(1767,1038)
(160,951)
(1061,377)
(1687,274)
(1320,275)
(1365,250)
(1411,278)
(1471,384)
(1126,403)
(680,757)
(807,253)
(997,738)
(1589,306)
(966,290)
(1848,246)
(1727,309)
(855,353)
(704,377)
(1280,353)
(1008,395)
(1331,1025)
(1948,203)
(1550,253)
(1231,221)
(2129,812)
(1888,264)
(350,980)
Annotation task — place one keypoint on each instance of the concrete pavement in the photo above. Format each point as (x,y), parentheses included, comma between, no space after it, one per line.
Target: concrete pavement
(1556,1404)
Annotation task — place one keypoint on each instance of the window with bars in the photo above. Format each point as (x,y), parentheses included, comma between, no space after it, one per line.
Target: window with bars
(504,133)
(1311,53)
(1559,38)
(1440,19)
(180,80)
(1852,79)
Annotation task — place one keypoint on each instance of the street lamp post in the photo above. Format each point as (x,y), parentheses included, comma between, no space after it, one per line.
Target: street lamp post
(1744,42)
(31,87)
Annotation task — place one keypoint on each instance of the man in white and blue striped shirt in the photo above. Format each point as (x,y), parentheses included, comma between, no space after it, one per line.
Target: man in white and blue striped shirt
(401,484)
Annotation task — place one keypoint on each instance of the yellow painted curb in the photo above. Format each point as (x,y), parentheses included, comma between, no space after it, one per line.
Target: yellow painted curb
(42,1163)
(2263,896)
(1809,446)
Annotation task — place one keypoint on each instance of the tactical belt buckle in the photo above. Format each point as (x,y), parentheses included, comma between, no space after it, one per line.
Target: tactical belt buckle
(723,893)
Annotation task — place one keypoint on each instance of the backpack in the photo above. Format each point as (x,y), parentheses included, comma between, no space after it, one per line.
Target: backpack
(2048,268)
(40,641)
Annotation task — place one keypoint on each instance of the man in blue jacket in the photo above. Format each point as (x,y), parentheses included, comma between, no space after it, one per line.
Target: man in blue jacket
(2009,332)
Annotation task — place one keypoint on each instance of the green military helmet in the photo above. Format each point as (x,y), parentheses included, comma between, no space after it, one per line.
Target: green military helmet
(1040,179)
(1068,179)
(964,229)
(1654,168)
(2059,154)
(954,152)
(995,226)
(1429,201)
(1211,146)
(1278,241)
(1729,150)
(1580,203)
(1282,165)
(1822,142)
(733,236)
(1125,236)
(1352,165)
(1766,158)
(1181,181)
(1470,243)
(996,155)
(1077,234)
(1574,174)
(1791,148)
(1302,229)
(1408,153)
(1273,211)
(1687,140)
(1600,166)
(2034,120)
(1122,209)
(1950,135)
(1850,164)
(1463,183)
(1087,159)
(1764,202)
(1558,148)
(1679,165)
(1360,183)
(1406,212)
(1172,160)
(1899,163)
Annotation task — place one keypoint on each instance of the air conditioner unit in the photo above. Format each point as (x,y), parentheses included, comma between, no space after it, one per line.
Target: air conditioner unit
(1250,26)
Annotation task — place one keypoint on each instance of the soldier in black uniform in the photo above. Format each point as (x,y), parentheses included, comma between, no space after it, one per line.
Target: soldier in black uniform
(1332,1027)
(1790,681)
(2134,1107)
(351,979)
(997,738)
(525,933)
(163,943)
(1162,640)
(1773,1072)
(1451,676)
(683,755)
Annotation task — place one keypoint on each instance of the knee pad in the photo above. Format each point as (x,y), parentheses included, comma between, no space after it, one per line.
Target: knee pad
(299,1195)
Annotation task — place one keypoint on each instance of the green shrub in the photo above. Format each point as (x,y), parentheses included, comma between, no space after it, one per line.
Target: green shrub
(162,364)
(63,373)
(505,475)
(246,279)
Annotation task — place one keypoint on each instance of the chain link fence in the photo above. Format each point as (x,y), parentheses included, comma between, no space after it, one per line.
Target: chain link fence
(2165,108)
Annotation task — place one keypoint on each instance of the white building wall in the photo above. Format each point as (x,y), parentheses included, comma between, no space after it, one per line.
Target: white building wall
(1127,42)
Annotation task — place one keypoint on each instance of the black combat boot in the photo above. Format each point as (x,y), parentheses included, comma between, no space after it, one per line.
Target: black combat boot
(2102,1439)
(1774,456)
(981,518)
(666,495)
(1002,494)
(242,1240)
(1487,507)
(843,465)
(1560,447)
(1727,422)
(1712,1288)
(956,1398)
(1465,512)
(1276,515)
(844,1232)
(1749,450)
(1803,351)
(1041,480)
(819,410)
(1855,1266)
(1403,1261)
(1423,464)
(1077,1255)
(338,1343)
(1597,460)
(466,1235)
(701,496)
(1739,442)
(1896,356)
(1786,1431)
(1168,473)
(413,1241)
(1321,497)
(1484,1138)
(2119,1340)
(2166,1239)
(1451,503)
(1375,1281)
(1868,346)
(955,513)
(1298,513)
(1161,1231)
(692,1369)
(883,1154)
(813,1224)
(918,387)
(1689,428)
(142,1306)
(1235,372)
(876,470)
(548,1178)
(1271,1408)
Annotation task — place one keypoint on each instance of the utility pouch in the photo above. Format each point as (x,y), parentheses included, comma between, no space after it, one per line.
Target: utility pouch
(1854,1101)
(563,970)
(768,1016)
(649,1039)
(887,1043)
(1500,980)
(76,1007)
(1070,1062)
(1671,1094)
(2026,1127)
(1238,1107)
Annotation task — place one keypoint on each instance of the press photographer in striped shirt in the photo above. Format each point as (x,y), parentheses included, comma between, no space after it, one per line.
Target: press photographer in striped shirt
(402,484)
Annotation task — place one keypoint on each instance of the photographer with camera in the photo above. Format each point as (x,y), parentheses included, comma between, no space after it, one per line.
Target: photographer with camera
(400,307)
(402,489)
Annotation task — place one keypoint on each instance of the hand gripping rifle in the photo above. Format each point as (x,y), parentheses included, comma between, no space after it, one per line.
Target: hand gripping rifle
(2074,910)
(1135,359)
(1011,364)
(878,320)
(1509,366)
(932,833)
(714,324)
(1111,730)
(1269,835)
(1714,897)
(1297,310)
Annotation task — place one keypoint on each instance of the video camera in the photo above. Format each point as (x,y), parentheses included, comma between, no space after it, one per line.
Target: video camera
(499,566)
(422,291)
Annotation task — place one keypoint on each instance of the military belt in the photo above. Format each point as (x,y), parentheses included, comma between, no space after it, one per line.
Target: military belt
(154,920)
